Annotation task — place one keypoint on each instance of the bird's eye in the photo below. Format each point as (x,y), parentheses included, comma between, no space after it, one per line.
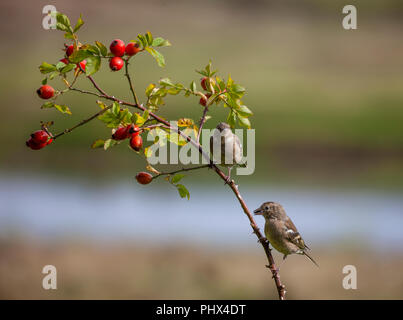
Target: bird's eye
(266,208)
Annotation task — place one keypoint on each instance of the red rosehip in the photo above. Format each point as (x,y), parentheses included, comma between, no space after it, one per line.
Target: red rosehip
(136,142)
(49,141)
(82,64)
(64,60)
(132,48)
(203,101)
(69,50)
(45,92)
(117,48)
(203,83)
(40,136)
(133,130)
(34,146)
(116,63)
(121,133)
(144,178)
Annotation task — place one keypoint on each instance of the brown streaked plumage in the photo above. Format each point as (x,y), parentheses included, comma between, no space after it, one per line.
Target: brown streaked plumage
(281,231)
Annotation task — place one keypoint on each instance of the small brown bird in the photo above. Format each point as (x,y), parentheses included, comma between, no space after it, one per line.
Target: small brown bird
(281,231)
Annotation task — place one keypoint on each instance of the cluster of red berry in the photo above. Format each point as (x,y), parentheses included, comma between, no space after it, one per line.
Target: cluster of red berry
(204,84)
(38,140)
(130,131)
(118,49)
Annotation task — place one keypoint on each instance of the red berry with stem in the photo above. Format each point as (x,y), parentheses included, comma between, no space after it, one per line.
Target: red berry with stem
(116,63)
(144,178)
(203,83)
(203,101)
(133,130)
(69,50)
(45,91)
(33,145)
(82,64)
(132,48)
(121,133)
(136,142)
(64,60)
(117,48)
(40,136)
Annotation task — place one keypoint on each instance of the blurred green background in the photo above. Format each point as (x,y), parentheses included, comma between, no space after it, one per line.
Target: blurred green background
(328,107)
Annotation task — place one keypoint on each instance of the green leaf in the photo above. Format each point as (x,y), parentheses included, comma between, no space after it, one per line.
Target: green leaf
(109,143)
(193,86)
(143,40)
(60,65)
(157,56)
(99,143)
(149,89)
(68,68)
(183,192)
(138,119)
(244,121)
(160,42)
(177,177)
(149,38)
(47,67)
(45,81)
(93,65)
(166,82)
(79,23)
(79,55)
(244,111)
(62,108)
(102,48)
(231,120)
(237,88)
(63,23)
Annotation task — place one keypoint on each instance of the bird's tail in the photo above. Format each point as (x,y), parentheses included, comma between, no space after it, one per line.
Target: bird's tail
(310,258)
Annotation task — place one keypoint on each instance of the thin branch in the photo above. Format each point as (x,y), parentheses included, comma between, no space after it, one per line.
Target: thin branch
(136,101)
(82,122)
(202,121)
(180,170)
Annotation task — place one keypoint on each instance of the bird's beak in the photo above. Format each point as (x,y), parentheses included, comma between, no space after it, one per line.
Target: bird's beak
(258,211)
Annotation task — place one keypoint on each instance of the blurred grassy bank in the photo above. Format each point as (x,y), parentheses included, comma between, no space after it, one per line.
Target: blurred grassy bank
(113,271)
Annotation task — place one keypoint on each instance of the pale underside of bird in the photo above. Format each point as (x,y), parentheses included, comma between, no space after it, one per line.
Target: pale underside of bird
(226,147)
(281,232)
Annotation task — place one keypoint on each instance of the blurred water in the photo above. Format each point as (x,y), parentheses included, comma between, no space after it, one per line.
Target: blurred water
(52,208)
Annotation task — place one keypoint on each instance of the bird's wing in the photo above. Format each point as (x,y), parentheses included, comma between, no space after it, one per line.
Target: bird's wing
(293,235)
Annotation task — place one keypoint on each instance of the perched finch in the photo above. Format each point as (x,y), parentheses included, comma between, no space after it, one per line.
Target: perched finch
(281,231)
(226,147)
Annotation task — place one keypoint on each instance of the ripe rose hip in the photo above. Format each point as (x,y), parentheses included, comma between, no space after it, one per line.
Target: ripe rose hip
(40,136)
(144,178)
(116,63)
(136,142)
(34,146)
(82,65)
(69,50)
(117,48)
(64,60)
(133,130)
(45,92)
(132,48)
(203,101)
(203,83)
(121,133)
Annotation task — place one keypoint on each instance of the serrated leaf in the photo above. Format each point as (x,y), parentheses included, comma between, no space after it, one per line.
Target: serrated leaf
(47,67)
(93,65)
(231,119)
(183,192)
(143,40)
(109,143)
(79,23)
(157,56)
(138,119)
(237,88)
(102,48)
(63,19)
(149,89)
(79,55)
(244,111)
(177,177)
(116,108)
(68,68)
(160,42)
(62,108)
(243,121)
(99,143)
(60,65)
